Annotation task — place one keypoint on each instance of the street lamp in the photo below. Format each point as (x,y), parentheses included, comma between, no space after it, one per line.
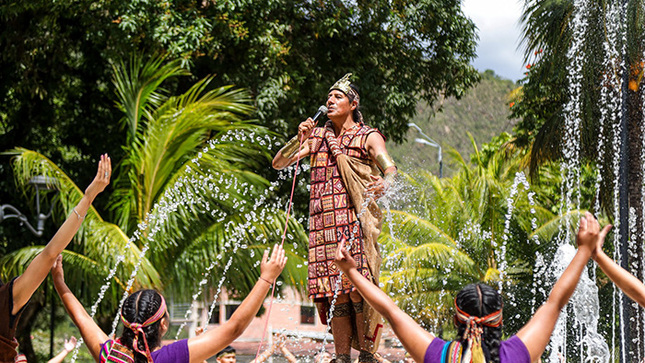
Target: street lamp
(428,141)
(39,182)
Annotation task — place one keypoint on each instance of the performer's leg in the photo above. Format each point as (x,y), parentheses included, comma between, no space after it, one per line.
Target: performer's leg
(357,304)
(341,328)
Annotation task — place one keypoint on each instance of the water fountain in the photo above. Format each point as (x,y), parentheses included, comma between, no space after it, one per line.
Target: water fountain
(263,208)
(583,312)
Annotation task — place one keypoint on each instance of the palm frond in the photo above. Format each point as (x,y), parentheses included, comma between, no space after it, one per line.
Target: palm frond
(138,86)
(549,229)
(27,164)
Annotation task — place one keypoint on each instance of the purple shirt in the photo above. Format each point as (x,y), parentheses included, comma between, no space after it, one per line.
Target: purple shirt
(176,352)
(171,353)
(512,350)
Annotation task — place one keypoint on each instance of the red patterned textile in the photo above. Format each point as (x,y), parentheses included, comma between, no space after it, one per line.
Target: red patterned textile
(332,216)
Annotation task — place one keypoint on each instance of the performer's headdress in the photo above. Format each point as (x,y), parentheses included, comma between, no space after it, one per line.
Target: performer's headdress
(345,85)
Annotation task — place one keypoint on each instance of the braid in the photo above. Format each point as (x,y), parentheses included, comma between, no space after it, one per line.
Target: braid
(491,340)
(480,300)
(356,114)
(137,308)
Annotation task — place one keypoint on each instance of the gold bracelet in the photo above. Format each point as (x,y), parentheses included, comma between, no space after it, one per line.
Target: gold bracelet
(384,161)
(291,148)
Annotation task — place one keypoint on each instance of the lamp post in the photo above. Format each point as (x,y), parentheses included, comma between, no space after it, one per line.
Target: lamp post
(428,141)
(40,182)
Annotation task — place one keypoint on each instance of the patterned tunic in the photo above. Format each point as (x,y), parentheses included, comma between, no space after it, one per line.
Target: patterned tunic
(332,216)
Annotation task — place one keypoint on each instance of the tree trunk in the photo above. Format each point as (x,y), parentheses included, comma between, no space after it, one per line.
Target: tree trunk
(635,246)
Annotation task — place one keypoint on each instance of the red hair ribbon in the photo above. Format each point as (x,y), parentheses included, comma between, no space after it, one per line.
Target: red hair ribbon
(138,328)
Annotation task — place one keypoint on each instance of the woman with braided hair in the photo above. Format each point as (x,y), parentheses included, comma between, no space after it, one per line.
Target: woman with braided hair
(479,312)
(472,302)
(145,320)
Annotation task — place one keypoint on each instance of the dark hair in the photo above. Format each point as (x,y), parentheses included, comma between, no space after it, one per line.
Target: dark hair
(138,308)
(356,112)
(226,350)
(480,300)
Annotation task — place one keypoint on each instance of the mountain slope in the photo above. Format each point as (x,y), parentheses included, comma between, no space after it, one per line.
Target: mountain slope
(483,111)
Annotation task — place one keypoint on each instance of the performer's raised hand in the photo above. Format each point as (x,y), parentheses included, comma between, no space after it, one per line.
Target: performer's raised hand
(58,274)
(272,267)
(70,344)
(590,235)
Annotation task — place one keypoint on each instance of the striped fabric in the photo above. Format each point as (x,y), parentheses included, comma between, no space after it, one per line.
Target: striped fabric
(113,351)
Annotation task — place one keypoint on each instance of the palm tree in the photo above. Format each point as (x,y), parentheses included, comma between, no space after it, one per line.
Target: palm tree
(461,232)
(612,73)
(187,198)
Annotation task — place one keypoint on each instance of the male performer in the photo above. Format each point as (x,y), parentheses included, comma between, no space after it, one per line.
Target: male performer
(346,156)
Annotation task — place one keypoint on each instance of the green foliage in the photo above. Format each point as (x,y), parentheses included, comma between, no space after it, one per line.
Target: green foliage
(456,229)
(184,190)
(540,106)
(286,53)
(55,85)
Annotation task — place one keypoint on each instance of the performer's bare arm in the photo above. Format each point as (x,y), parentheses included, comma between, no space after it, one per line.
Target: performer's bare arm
(375,145)
(289,153)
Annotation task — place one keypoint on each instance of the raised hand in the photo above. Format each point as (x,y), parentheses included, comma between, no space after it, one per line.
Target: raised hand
(57,269)
(70,344)
(270,268)
(344,260)
(590,235)
(102,178)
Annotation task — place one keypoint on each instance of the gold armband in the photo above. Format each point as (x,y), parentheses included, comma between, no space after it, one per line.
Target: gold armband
(384,162)
(291,148)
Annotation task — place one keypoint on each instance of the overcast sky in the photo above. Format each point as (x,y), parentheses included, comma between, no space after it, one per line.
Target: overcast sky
(498,27)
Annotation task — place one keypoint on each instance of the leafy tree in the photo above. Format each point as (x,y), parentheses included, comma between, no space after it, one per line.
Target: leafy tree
(610,61)
(287,53)
(55,75)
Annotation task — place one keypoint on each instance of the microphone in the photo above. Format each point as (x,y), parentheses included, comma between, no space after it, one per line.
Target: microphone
(322,110)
